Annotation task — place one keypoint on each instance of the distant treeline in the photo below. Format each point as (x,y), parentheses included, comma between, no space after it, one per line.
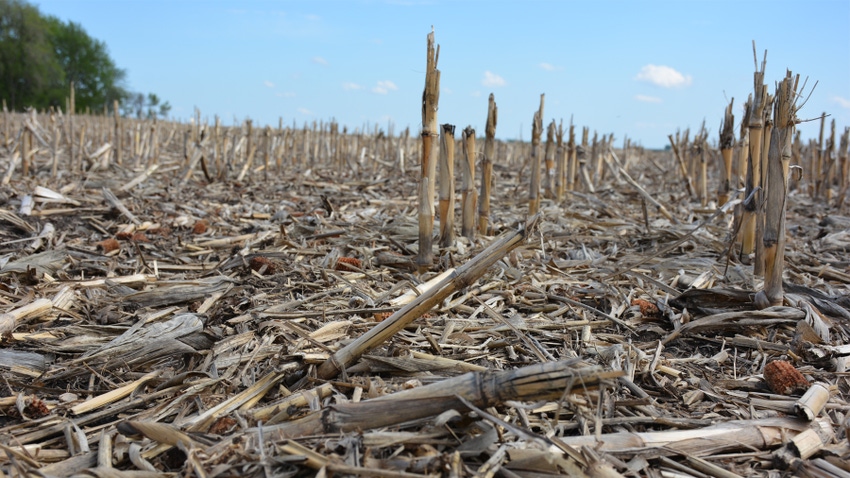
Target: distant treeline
(41,55)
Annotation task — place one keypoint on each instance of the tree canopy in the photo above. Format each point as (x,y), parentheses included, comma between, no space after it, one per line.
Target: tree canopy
(41,55)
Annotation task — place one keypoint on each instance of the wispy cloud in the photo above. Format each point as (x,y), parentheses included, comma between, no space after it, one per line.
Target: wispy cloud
(476,94)
(492,80)
(349,86)
(285,94)
(663,76)
(384,87)
(312,17)
(320,61)
(268,84)
(842,102)
(549,67)
(305,111)
(648,99)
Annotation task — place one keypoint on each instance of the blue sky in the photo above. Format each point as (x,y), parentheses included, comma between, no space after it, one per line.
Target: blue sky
(641,69)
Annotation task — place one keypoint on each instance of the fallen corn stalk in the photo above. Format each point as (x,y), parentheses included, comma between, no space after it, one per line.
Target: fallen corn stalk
(457,280)
(546,381)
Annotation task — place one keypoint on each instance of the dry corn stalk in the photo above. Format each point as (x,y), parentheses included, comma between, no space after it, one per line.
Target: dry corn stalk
(458,279)
(572,167)
(9,320)
(817,164)
(843,166)
(561,163)
(828,162)
(468,195)
(447,185)
(70,109)
(549,155)
(487,167)
(534,189)
(117,141)
(756,135)
(546,381)
(701,161)
(727,143)
(758,264)
(430,154)
(778,161)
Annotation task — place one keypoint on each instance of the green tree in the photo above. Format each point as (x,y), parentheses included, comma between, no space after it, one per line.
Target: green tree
(86,62)
(142,106)
(41,55)
(28,63)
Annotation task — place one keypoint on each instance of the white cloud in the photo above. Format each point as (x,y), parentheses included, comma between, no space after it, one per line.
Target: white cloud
(320,61)
(384,87)
(648,99)
(285,94)
(476,94)
(349,86)
(842,102)
(312,17)
(268,84)
(663,76)
(491,79)
(305,111)
(549,67)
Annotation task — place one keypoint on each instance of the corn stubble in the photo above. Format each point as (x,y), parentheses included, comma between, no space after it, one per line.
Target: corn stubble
(487,167)
(430,156)
(755,127)
(447,189)
(778,163)
(536,160)
(727,148)
(468,195)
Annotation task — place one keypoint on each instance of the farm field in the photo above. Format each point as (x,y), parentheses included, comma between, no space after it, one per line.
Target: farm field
(192,299)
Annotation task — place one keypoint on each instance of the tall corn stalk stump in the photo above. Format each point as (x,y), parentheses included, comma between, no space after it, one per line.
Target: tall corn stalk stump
(430,155)
(778,162)
(487,167)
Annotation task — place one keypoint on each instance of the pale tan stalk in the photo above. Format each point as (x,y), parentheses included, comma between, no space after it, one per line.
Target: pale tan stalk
(267,140)
(727,143)
(71,150)
(829,163)
(447,185)
(843,167)
(817,164)
(740,167)
(573,163)
(430,155)
(117,139)
(534,187)
(778,159)
(487,167)
(560,163)
(756,134)
(468,196)
(57,134)
(758,264)
(465,275)
(549,158)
